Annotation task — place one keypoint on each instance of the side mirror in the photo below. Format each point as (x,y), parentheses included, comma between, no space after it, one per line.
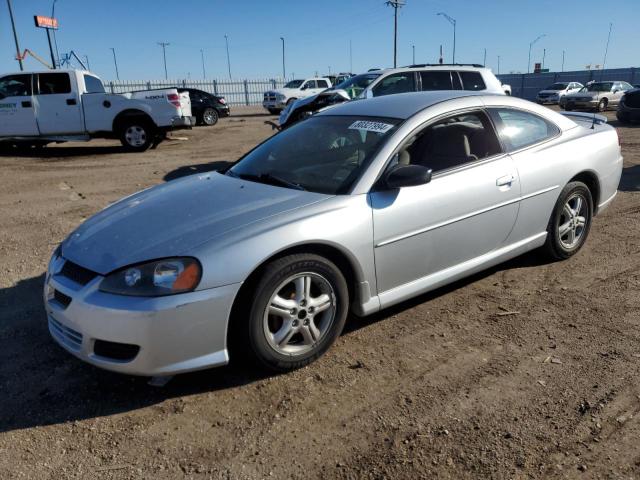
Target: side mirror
(407,176)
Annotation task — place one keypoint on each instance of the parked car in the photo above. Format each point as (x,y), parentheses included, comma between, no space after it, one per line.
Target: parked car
(206,107)
(629,106)
(71,105)
(339,78)
(276,100)
(553,93)
(596,96)
(358,208)
(377,83)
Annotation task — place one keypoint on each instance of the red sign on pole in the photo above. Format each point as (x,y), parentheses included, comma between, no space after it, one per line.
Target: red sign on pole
(46,22)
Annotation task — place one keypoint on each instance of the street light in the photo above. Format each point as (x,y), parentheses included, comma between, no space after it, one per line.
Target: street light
(226,39)
(284,72)
(453,22)
(530,46)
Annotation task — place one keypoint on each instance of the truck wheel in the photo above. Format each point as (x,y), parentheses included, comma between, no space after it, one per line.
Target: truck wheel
(210,116)
(136,135)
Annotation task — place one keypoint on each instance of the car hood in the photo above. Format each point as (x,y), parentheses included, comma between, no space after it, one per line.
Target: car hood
(584,94)
(285,91)
(174,218)
(550,91)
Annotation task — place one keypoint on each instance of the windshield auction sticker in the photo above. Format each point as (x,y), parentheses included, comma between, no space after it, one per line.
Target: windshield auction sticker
(377,127)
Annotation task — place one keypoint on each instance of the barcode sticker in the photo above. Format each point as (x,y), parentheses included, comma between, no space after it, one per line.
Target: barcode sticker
(369,126)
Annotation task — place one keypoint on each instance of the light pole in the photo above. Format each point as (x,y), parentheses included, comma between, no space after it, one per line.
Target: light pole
(164,46)
(55,40)
(204,73)
(226,39)
(544,55)
(606,50)
(562,69)
(15,35)
(350,57)
(530,46)
(396,4)
(453,22)
(115,62)
(284,71)
(413,54)
(484,61)
(498,64)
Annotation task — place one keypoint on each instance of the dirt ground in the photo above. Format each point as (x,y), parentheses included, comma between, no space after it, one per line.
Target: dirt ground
(529,370)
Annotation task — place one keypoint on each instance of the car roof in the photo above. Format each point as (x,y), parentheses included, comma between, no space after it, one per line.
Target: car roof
(399,105)
(447,67)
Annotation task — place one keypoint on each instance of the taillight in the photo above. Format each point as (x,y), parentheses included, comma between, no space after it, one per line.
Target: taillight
(174,99)
(222,100)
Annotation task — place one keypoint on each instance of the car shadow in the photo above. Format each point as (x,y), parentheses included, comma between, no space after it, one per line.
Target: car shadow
(630,180)
(198,168)
(41,384)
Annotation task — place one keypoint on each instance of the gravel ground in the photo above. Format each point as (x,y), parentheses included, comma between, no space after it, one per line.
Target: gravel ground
(528,370)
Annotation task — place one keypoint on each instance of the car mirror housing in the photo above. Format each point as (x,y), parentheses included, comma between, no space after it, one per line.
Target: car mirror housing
(407,176)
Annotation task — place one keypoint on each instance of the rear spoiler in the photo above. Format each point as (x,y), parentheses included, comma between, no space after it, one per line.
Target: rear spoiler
(584,116)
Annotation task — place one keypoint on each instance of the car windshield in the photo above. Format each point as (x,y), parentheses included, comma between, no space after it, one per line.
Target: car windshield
(355,85)
(599,87)
(325,154)
(557,86)
(294,84)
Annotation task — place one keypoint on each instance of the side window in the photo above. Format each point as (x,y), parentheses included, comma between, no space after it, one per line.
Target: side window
(452,142)
(310,84)
(436,80)
(54,83)
(93,84)
(457,83)
(396,83)
(322,84)
(472,81)
(519,129)
(15,86)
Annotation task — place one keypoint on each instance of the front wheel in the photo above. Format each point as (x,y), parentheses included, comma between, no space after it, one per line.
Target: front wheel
(136,135)
(299,309)
(210,116)
(570,221)
(602,105)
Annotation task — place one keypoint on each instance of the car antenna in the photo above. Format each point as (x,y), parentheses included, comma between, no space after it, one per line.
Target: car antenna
(593,124)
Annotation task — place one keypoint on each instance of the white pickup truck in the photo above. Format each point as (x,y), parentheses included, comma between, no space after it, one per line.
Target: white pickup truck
(276,100)
(37,108)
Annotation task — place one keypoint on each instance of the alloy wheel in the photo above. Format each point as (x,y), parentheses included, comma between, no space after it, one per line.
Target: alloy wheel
(572,221)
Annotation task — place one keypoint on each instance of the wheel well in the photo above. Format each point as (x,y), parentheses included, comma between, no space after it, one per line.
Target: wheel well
(331,253)
(125,115)
(591,181)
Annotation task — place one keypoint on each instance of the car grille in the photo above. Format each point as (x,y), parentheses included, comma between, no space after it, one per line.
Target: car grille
(76,273)
(632,100)
(65,335)
(269,97)
(544,95)
(61,298)
(123,352)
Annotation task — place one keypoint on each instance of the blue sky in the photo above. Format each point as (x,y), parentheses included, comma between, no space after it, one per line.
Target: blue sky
(318,34)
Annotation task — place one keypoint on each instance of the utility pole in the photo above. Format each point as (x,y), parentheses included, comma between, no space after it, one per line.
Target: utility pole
(413,54)
(350,58)
(226,39)
(562,69)
(453,22)
(396,4)
(164,46)
(204,73)
(15,35)
(115,62)
(530,46)
(498,64)
(484,61)
(284,71)
(606,50)
(544,54)
(55,40)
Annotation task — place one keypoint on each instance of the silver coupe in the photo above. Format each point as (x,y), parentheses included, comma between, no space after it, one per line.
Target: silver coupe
(362,206)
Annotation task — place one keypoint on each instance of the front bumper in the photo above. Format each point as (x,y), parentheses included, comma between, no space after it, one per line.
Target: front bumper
(579,103)
(175,334)
(274,104)
(224,110)
(550,99)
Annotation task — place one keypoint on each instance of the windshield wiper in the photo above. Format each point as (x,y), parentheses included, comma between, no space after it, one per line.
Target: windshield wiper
(268,178)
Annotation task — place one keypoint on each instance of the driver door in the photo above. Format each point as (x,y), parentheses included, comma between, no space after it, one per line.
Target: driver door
(467,210)
(17,115)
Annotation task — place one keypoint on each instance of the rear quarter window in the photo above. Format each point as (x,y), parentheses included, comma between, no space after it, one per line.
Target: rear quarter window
(518,129)
(93,84)
(472,81)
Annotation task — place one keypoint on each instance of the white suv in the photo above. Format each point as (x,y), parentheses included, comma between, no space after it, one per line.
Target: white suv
(278,99)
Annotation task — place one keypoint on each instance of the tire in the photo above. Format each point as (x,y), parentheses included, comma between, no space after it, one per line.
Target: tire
(570,222)
(623,118)
(568,107)
(136,134)
(283,327)
(274,111)
(602,105)
(209,117)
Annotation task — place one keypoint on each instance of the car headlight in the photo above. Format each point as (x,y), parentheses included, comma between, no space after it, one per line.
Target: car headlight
(153,279)
(279,97)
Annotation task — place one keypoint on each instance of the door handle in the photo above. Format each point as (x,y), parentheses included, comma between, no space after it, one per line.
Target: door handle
(505,180)
(26,104)
(71,101)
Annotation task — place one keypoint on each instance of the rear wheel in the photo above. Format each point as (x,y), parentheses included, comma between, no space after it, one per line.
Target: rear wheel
(136,135)
(570,221)
(298,309)
(602,105)
(210,116)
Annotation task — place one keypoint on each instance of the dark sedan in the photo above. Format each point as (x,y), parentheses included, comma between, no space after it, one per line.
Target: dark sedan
(206,107)
(629,107)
